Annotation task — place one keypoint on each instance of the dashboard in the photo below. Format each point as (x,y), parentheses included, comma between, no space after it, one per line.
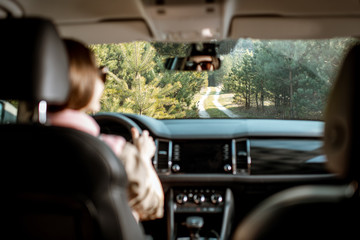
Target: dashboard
(218,170)
(236,146)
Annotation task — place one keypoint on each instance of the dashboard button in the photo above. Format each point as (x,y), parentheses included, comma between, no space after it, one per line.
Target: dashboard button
(175,168)
(181,198)
(227,168)
(216,198)
(199,198)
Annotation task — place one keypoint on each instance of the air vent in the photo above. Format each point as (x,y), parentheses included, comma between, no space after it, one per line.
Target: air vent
(242,153)
(163,155)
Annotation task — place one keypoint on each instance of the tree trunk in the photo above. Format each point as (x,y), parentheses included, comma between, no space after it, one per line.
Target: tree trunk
(262,95)
(291,94)
(257,101)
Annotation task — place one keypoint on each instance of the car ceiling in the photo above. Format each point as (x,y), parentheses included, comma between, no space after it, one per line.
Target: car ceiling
(105,21)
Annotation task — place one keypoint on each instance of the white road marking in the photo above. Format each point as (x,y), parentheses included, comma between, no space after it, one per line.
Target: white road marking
(228,112)
(202,112)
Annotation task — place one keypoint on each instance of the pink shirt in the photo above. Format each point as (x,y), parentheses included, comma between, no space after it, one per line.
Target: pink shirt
(81,121)
(146,196)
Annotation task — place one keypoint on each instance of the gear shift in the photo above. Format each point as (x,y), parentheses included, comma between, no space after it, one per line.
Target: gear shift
(194,224)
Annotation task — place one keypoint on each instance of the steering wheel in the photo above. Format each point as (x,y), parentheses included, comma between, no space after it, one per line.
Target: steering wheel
(117,124)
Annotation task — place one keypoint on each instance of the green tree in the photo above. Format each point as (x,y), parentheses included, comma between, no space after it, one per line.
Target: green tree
(292,75)
(138,82)
(152,100)
(241,79)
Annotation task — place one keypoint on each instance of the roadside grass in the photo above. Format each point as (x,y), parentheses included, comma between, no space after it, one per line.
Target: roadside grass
(226,99)
(216,113)
(210,107)
(253,112)
(193,111)
(269,111)
(197,97)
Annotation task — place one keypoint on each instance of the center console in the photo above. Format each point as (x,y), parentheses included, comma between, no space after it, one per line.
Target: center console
(200,212)
(204,211)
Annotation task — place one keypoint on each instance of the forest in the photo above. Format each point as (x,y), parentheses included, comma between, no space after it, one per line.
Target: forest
(284,79)
(138,82)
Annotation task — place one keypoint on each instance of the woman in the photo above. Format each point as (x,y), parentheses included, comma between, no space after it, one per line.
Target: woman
(146,197)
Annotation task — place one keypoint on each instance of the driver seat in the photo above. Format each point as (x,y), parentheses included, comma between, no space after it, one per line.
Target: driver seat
(321,211)
(56,183)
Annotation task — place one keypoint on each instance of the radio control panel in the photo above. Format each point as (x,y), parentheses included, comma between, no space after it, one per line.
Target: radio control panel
(198,200)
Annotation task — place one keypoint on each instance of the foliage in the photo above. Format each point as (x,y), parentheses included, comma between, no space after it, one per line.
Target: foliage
(138,82)
(277,79)
(290,75)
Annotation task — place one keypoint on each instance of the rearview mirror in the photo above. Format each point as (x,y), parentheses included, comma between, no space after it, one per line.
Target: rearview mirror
(193,63)
(202,57)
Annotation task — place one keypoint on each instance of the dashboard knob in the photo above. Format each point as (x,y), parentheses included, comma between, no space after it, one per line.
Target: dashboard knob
(216,198)
(181,198)
(175,168)
(199,198)
(227,168)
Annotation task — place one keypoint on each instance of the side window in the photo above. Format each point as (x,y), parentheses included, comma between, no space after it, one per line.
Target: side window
(8,112)
(1,111)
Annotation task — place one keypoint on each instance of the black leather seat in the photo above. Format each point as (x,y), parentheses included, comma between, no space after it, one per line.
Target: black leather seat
(56,183)
(321,212)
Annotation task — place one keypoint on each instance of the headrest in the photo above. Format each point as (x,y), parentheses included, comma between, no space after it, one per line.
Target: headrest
(342,135)
(33,62)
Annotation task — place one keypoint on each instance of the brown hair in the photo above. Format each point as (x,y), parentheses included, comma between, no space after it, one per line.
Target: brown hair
(83,73)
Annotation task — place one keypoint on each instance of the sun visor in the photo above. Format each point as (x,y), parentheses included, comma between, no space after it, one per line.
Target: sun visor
(293,27)
(108,31)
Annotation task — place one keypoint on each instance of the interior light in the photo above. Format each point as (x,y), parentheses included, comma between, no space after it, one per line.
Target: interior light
(206,32)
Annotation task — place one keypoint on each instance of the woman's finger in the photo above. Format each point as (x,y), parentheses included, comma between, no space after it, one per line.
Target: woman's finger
(135,133)
(145,133)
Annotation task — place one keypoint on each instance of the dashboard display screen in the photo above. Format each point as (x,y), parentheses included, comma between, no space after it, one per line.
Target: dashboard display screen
(287,156)
(208,156)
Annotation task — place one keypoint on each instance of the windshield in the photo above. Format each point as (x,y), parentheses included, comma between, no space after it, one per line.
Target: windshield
(272,79)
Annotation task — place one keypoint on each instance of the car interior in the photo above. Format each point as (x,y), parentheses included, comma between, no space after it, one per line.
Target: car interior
(83,187)
(238,178)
